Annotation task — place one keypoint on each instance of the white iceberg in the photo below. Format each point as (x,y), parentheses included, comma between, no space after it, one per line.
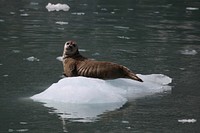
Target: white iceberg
(83,99)
(57,7)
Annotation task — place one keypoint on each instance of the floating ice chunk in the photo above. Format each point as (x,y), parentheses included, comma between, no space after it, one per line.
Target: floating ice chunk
(96,54)
(57,7)
(5,75)
(16,51)
(104,9)
(78,13)
(84,4)
(121,27)
(34,3)
(32,58)
(22,130)
(12,13)
(83,99)
(125,122)
(130,9)
(24,14)
(187,120)
(1,20)
(61,22)
(123,37)
(78,90)
(188,52)
(192,8)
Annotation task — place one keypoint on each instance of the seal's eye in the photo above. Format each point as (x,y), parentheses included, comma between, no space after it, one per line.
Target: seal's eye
(68,43)
(74,45)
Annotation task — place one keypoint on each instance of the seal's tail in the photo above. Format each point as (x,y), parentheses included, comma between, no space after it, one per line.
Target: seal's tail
(131,75)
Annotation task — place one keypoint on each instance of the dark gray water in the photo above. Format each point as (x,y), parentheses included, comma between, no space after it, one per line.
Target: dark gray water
(146,36)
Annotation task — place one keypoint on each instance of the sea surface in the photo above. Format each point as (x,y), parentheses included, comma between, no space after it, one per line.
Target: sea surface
(147,36)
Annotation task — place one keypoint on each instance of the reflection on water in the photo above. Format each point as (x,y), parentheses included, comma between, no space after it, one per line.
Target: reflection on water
(146,36)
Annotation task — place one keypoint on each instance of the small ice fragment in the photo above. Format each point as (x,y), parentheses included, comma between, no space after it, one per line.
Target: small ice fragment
(5,75)
(125,122)
(1,20)
(96,54)
(57,7)
(16,51)
(192,8)
(23,123)
(156,12)
(182,68)
(187,120)
(188,52)
(123,37)
(12,13)
(78,13)
(61,28)
(10,130)
(34,3)
(130,9)
(84,4)
(121,27)
(61,22)
(104,9)
(24,15)
(21,10)
(95,12)
(32,58)
(22,130)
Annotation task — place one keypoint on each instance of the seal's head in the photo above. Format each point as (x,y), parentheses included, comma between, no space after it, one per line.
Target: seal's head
(70,49)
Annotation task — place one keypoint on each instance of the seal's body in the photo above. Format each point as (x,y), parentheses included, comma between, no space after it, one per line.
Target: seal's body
(76,65)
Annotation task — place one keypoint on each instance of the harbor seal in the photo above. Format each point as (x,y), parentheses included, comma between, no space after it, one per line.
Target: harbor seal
(75,64)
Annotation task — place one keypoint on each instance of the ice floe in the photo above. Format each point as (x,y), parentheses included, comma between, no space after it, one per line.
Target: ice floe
(16,51)
(1,20)
(83,99)
(192,8)
(57,7)
(123,37)
(32,58)
(78,13)
(187,120)
(34,3)
(24,14)
(188,52)
(61,22)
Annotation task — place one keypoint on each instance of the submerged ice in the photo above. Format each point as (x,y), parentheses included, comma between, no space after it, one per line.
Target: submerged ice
(86,98)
